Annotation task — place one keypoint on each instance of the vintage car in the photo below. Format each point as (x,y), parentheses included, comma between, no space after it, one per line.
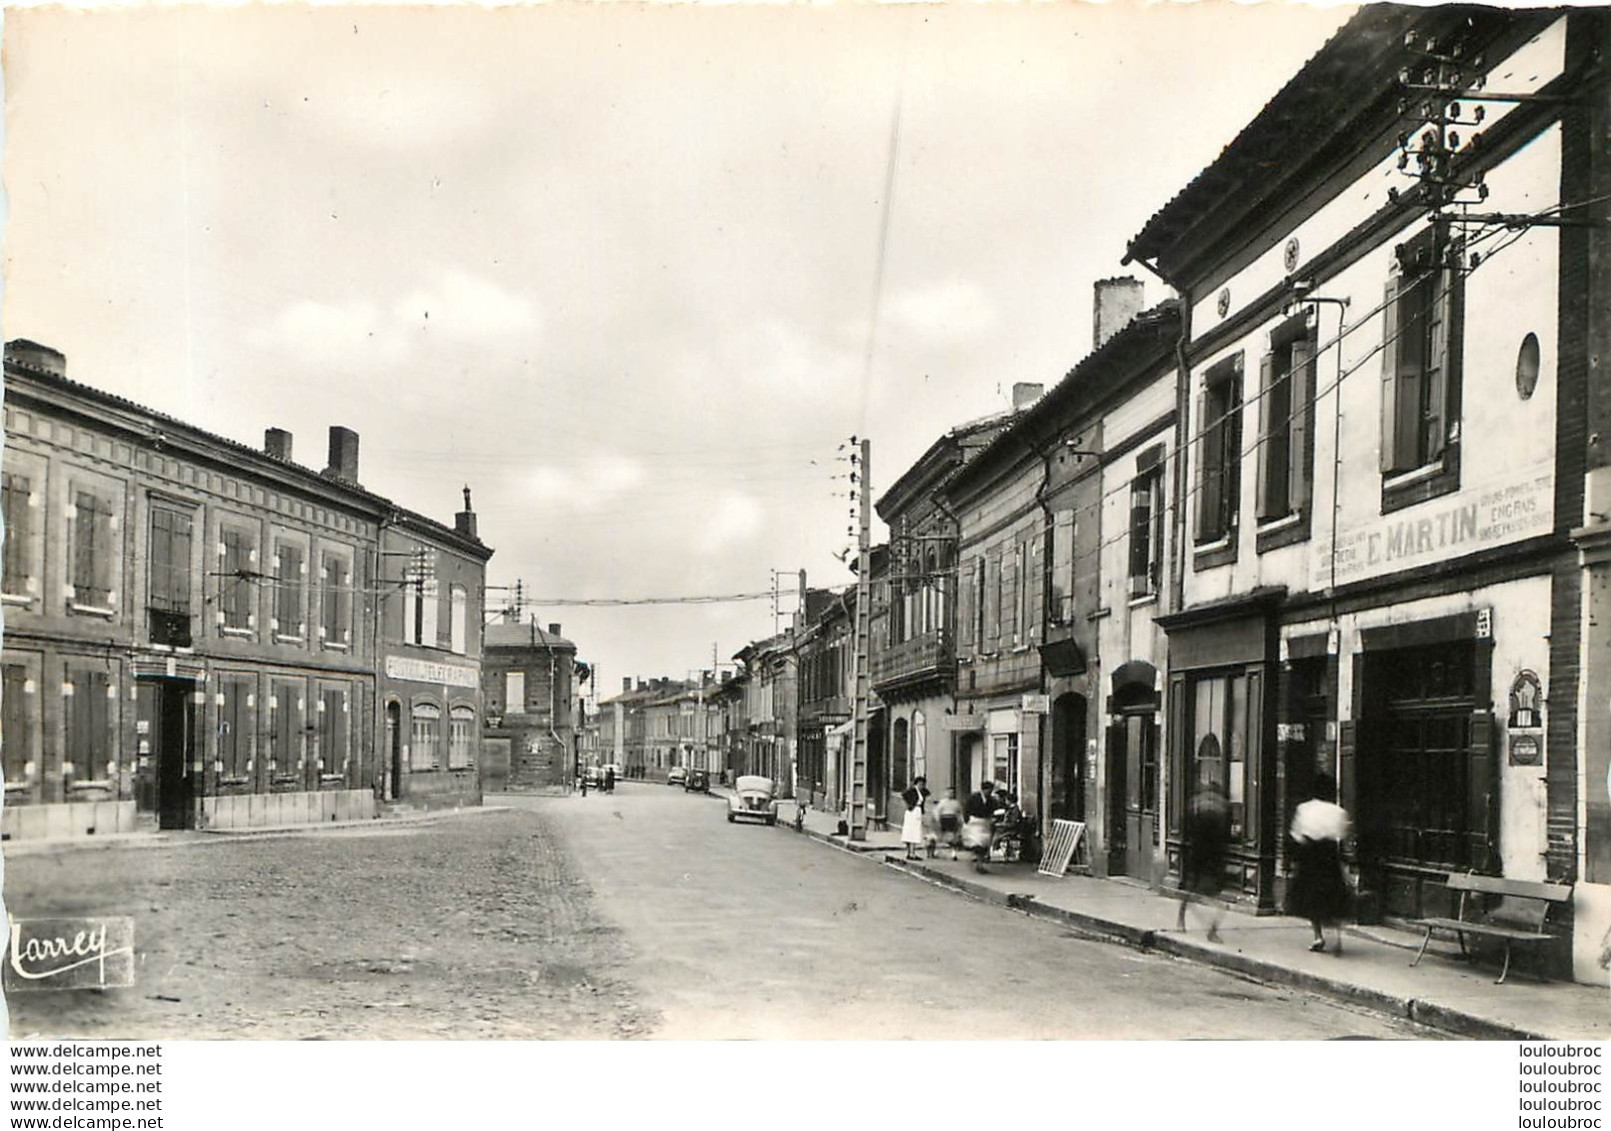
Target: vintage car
(698,782)
(677,775)
(752,797)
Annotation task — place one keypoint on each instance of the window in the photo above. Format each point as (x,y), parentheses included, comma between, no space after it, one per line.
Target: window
(334,725)
(430,607)
(285,726)
(1060,578)
(88,711)
(16,579)
(1286,423)
(235,701)
(1219,462)
(335,606)
(1220,722)
(458,619)
(920,746)
(290,573)
(237,583)
(19,719)
(169,596)
(424,753)
(979,603)
(461,738)
(1146,532)
(514,693)
(420,612)
(1023,592)
(93,553)
(1421,355)
(1004,761)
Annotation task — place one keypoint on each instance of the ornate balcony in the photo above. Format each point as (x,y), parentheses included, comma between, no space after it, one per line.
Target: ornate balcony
(913,661)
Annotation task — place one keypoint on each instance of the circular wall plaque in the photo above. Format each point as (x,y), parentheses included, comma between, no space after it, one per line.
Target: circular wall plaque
(1224,303)
(1290,255)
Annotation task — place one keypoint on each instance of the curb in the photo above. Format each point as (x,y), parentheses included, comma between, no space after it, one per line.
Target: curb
(1442,1018)
(423,818)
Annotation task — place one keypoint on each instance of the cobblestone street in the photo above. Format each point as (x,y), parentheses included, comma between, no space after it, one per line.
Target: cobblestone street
(471,927)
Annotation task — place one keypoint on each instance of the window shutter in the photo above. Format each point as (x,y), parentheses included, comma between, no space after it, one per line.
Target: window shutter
(1347,747)
(1390,460)
(1205,441)
(1482,786)
(1440,309)
(1253,765)
(1268,491)
(965,608)
(1140,533)
(1300,446)
(1176,757)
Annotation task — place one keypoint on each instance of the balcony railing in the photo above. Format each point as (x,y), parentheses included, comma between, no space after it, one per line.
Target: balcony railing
(918,658)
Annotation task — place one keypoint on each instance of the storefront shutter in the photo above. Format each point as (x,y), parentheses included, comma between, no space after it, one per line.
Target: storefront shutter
(1482,784)
(1347,744)
(1300,445)
(1176,764)
(1253,803)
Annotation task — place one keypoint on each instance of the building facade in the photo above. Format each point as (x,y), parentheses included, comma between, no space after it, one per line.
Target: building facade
(529,674)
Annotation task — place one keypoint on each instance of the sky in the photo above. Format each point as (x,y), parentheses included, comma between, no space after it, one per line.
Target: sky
(617,268)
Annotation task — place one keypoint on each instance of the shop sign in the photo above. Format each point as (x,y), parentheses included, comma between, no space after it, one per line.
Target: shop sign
(1036,704)
(962,722)
(1289,732)
(1491,514)
(1526,750)
(430,671)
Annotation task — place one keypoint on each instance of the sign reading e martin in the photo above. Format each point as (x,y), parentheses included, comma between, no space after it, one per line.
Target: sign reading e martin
(70,954)
(429,671)
(1478,518)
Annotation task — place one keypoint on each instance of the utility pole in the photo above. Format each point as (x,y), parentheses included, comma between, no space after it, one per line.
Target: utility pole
(858,747)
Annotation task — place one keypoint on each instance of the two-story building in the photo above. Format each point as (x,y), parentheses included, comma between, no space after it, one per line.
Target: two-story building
(1385,285)
(190,623)
(825,689)
(527,677)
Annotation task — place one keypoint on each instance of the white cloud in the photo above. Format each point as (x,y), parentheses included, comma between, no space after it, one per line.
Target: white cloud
(459,309)
(588,485)
(948,311)
(733,518)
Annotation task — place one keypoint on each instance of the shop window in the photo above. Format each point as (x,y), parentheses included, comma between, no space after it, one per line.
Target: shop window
(1421,372)
(335,605)
(19,722)
(235,701)
(88,723)
(168,600)
(1286,423)
(290,603)
(93,554)
(1146,533)
(1219,732)
(461,738)
(237,582)
(286,708)
(1219,422)
(425,751)
(1004,761)
(16,578)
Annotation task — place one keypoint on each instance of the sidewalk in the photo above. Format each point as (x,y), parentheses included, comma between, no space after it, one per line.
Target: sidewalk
(1373,971)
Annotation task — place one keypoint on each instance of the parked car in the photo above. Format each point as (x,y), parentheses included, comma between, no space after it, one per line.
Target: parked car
(698,782)
(676,776)
(752,797)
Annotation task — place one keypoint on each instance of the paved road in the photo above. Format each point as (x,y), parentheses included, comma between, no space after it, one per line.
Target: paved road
(754,932)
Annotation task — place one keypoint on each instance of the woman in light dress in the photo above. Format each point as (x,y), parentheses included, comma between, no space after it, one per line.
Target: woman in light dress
(916,797)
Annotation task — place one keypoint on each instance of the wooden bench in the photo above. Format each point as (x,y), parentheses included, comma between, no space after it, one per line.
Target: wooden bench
(1518,917)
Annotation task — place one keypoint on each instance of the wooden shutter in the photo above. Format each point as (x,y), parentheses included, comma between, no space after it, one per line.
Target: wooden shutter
(1482,787)
(1207,435)
(1061,587)
(1347,747)
(1269,489)
(965,596)
(1253,760)
(1439,307)
(1176,763)
(1390,461)
(1300,441)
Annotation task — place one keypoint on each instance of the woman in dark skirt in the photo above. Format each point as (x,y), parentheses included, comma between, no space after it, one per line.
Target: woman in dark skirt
(1319,891)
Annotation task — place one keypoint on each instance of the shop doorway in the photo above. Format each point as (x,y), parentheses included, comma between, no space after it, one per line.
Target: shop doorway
(394,747)
(1132,792)
(1067,801)
(168,722)
(1306,751)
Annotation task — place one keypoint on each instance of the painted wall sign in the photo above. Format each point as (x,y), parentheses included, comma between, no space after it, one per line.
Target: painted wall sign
(1526,701)
(1478,518)
(1036,704)
(430,671)
(962,722)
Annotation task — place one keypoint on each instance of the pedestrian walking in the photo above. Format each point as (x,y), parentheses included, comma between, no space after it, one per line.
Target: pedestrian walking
(1207,842)
(980,812)
(609,779)
(1319,892)
(916,797)
(949,815)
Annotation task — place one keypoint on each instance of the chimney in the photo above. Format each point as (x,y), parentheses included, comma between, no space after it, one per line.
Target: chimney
(626,683)
(1024,394)
(553,630)
(32,355)
(464,521)
(343,455)
(277,443)
(1117,301)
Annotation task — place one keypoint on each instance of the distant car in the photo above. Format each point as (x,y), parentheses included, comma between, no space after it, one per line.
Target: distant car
(677,776)
(698,782)
(752,798)
(595,775)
